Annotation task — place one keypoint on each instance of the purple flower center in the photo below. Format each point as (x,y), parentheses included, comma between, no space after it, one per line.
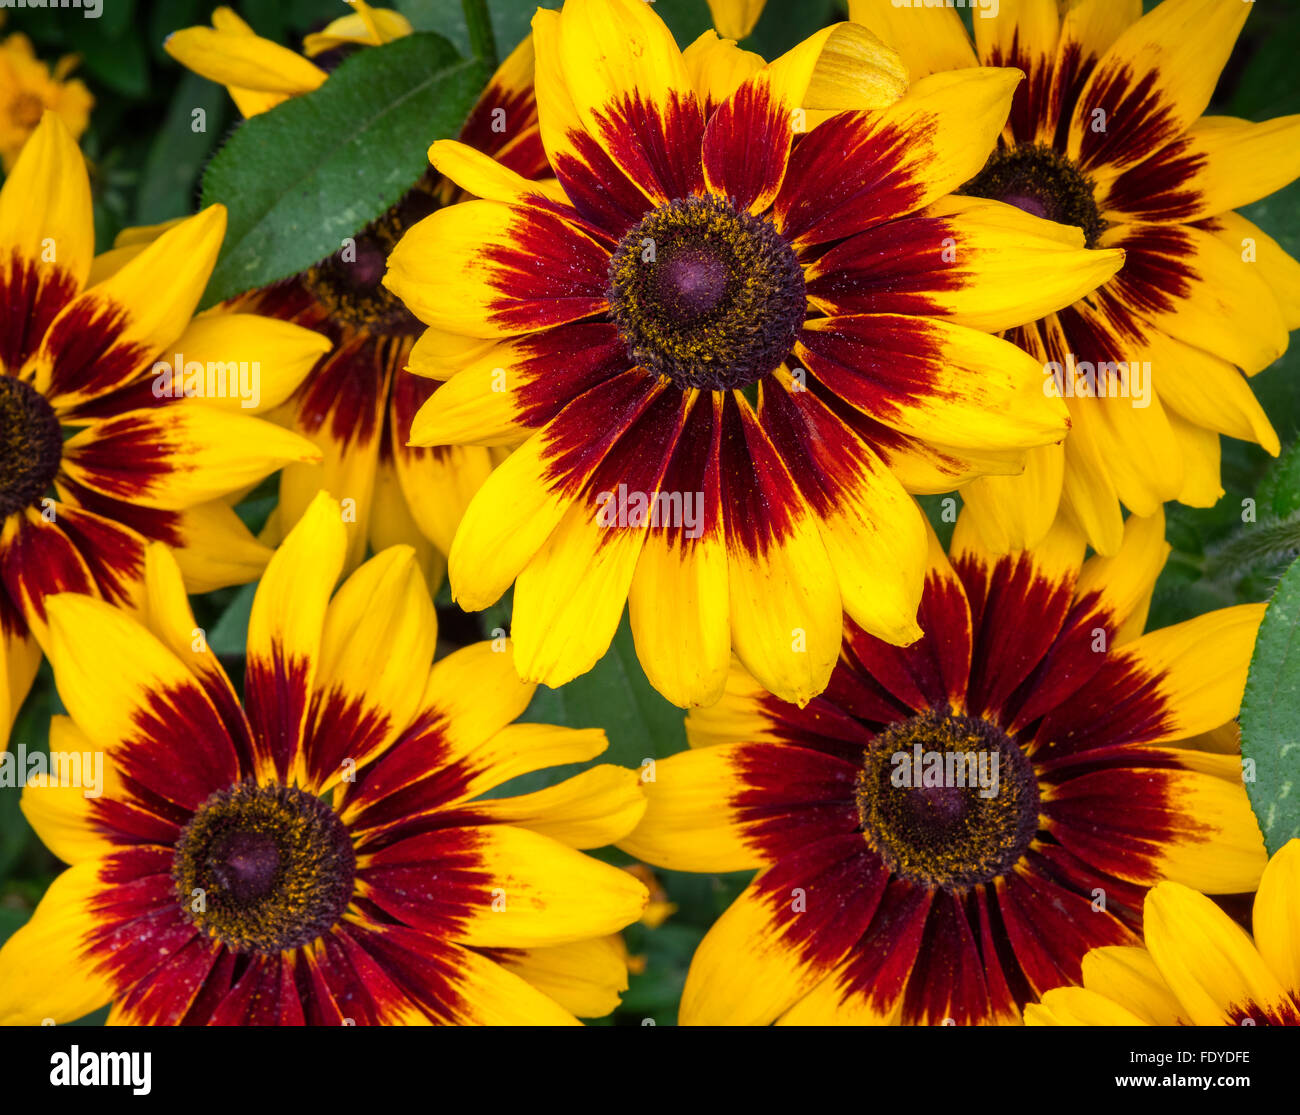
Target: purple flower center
(1043,182)
(706,294)
(31,445)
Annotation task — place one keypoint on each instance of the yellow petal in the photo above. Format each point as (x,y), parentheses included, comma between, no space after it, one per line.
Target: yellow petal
(245,61)
(1123,583)
(1128,976)
(930,38)
(688,825)
(45,209)
(1276,918)
(258,360)
(594,808)
(585,977)
(1078,1006)
(1206,959)
(49,943)
(505,525)
(735,19)
(1198,668)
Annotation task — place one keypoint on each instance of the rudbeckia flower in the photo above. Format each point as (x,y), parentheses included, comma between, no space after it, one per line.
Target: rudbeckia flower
(355,405)
(1199,967)
(28,89)
(705,427)
(100,452)
(320,854)
(948,829)
(1107,134)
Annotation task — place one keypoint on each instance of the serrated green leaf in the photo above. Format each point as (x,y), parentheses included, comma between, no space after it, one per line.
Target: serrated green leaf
(1270,716)
(300,178)
(1279,492)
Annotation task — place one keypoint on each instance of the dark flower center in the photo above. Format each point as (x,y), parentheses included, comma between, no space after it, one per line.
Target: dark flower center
(947,801)
(706,294)
(31,445)
(348,283)
(1043,182)
(264,868)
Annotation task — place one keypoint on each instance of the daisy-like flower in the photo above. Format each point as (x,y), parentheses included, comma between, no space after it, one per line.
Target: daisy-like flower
(704,426)
(100,453)
(356,406)
(28,89)
(1199,967)
(949,828)
(320,853)
(1107,134)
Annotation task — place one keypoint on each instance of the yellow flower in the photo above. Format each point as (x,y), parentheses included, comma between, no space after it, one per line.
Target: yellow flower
(319,851)
(1107,134)
(110,438)
(260,74)
(28,88)
(1199,967)
(714,422)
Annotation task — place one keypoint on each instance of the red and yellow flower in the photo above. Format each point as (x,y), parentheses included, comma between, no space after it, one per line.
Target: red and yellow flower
(1107,133)
(948,829)
(95,461)
(321,853)
(683,318)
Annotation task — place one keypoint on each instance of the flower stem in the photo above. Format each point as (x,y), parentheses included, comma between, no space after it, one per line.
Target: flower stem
(481,40)
(1267,542)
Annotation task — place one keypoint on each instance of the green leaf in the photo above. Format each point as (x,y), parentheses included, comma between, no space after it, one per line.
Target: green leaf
(121,64)
(178,152)
(230,635)
(942,511)
(613,695)
(300,178)
(1279,493)
(31,730)
(1268,46)
(511,20)
(1270,716)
